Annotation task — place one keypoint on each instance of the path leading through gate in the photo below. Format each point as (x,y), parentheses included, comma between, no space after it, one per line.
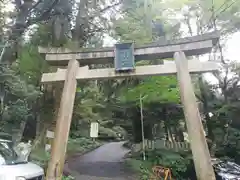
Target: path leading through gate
(104,163)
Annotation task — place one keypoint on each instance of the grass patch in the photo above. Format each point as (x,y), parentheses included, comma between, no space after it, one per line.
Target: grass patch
(68,178)
(141,168)
(81,145)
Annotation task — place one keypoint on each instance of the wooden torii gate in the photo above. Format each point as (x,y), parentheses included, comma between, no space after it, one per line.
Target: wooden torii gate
(178,49)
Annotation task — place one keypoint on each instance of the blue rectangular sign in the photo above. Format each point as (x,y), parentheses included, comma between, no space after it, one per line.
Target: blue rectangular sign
(124,57)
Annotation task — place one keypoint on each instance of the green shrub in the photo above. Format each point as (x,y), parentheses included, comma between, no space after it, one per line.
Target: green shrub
(169,159)
(178,162)
(67,178)
(142,168)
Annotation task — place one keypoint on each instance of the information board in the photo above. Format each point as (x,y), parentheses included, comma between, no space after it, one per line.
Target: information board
(94,130)
(124,57)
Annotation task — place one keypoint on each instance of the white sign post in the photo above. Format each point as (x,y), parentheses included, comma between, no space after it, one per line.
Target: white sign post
(94,130)
(50,137)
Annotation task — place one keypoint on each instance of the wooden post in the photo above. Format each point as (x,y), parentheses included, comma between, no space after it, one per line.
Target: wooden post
(201,156)
(142,125)
(56,163)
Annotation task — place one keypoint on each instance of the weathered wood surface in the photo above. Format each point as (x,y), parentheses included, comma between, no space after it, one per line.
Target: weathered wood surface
(214,36)
(56,163)
(201,156)
(195,45)
(161,144)
(84,73)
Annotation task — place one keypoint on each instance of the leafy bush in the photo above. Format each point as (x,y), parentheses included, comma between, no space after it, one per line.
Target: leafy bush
(142,168)
(169,159)
(230,147)
(180,163)
(67,178)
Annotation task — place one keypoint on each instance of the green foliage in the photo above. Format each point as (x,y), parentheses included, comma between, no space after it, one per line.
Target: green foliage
(19,97)
(179,163)
(81,145)
(138,34)
(223,127)
(228,146)
(154,89)
(174,161)
(142,168)
(87,100)
(68,178)
(17,112)
(31,64)
(135,24)
(203,13)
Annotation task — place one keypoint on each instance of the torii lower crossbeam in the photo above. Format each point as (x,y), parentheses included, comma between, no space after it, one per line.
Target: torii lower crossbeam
(83,73)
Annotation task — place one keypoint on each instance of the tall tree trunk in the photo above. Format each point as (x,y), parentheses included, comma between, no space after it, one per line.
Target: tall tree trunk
(18,133)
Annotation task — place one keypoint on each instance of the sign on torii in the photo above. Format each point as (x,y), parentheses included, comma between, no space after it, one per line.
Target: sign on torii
(178,49)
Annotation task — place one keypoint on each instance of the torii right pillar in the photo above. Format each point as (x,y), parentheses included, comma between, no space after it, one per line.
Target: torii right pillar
(201,156)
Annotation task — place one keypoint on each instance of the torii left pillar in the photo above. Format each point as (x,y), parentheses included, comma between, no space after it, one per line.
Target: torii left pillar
(56,163)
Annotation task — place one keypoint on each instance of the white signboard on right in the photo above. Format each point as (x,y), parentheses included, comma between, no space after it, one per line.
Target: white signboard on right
(94,130)
(50,134)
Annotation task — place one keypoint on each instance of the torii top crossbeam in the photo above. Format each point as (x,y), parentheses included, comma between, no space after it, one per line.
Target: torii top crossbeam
(191,46)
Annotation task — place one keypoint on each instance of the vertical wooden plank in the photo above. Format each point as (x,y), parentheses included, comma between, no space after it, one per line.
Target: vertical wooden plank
(201,156)
(56,163)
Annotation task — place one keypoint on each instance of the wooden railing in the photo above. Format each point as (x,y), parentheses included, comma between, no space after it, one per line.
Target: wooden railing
(161,144)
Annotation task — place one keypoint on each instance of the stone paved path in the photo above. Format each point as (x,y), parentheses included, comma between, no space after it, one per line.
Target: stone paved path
(104,163)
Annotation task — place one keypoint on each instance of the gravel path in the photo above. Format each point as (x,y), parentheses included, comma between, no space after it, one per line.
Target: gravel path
(104,163)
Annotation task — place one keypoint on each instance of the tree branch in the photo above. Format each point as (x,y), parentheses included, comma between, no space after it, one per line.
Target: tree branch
(44,16)
(105,9)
